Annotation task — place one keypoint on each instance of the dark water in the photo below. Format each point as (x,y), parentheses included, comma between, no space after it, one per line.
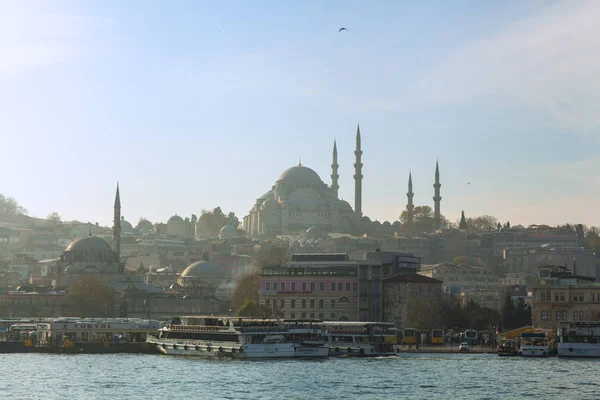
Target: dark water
(419,376)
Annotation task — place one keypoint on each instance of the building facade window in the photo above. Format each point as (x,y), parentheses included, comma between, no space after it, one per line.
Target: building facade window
(321,303)
(340,286)
(268,302)
(275,285)
(312,286)
(293,303)
(333,286)
(293,286)
(304,286)
(321,286)
(282,304)
(312,303)
(268,286)
(332,303)
(562,296)
(303,303)
(347,286)
(282,286)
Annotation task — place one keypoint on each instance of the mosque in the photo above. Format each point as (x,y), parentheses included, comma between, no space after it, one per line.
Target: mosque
(300,201)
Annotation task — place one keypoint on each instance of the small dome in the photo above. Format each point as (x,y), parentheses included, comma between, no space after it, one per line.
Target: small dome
(228,229)
(25,288)
(126,225)
(70,269)
(343,205)
(386,224)
(301,175)
(203,269)
(90,243)
(268,195)
(175,218)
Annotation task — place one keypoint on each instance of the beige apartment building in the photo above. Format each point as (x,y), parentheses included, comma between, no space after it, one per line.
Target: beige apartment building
(561,296)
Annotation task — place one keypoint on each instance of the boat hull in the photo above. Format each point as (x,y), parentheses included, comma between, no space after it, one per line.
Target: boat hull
(584,350)
(365,351)
(534,351)
(236,350)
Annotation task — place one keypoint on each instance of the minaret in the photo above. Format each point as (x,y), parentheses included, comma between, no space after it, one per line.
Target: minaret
(117,227)
(437,216)
(463,222)
(334,172)
(358,176)
(410,206)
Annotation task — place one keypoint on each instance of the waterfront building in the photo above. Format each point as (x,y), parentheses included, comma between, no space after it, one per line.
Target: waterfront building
(461,278)
(562,295)
(325,286)
(411,300)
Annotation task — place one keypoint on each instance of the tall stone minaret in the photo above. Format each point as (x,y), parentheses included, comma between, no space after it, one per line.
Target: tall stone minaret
(410,206)
(358,176)
(334,172)
(117,226)
(437,216)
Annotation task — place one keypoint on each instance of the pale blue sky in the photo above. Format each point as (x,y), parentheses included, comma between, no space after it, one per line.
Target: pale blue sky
(150,93)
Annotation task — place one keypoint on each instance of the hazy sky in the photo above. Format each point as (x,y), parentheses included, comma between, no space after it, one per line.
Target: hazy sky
(193,105)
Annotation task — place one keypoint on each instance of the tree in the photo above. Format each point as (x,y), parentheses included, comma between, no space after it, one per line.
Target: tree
(592,237)
(233,220)
(508,314)
(54,218)
(9,206)
(483,223)
(460,260)
(89,296)
(251,308)
(211,222)
(246,290)
(271,255)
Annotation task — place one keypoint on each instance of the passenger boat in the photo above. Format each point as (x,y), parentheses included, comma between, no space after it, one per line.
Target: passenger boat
(361,339)
(579,339)
(508,348)
(534,344)
(239,338)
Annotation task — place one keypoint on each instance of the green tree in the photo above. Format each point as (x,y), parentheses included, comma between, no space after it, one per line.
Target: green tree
(508,314)
(460,260)
(246,289)
(233,220)
(9,206)
(54,217)
(89,296)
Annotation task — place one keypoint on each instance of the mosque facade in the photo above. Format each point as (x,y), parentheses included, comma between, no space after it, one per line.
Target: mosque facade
(300,201)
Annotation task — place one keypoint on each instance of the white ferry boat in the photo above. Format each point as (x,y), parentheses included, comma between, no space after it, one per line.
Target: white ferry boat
(534,344)
(579,339)
(239,338)
(361,339)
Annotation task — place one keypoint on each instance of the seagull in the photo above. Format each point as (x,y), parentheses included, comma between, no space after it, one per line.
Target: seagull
(342,29)
(468,183)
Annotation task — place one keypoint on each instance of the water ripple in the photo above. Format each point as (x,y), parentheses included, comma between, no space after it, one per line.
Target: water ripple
(426,376)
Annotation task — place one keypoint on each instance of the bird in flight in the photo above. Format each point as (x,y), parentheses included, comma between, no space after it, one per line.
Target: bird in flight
(468,183)
(342,29)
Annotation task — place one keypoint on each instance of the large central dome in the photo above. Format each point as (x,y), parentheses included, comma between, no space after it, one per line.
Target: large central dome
(301,175)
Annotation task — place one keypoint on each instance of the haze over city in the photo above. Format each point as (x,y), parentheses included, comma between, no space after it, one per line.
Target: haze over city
(205,104)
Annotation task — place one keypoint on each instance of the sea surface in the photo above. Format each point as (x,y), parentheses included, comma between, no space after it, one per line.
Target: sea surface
(415,376)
